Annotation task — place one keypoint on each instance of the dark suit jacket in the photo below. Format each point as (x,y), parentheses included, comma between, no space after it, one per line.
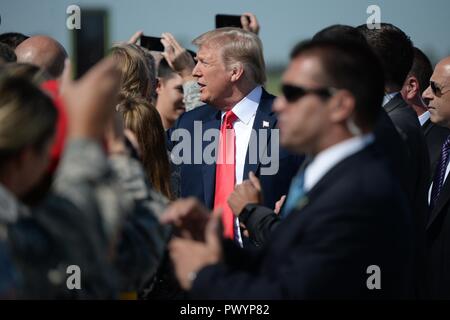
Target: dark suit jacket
(438,247)
(408,166)
(354,217)
(414,172)
(435,136)
(438,226)
(198,180)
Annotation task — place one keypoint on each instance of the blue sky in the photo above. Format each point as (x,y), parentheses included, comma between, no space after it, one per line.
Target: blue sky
(283,22)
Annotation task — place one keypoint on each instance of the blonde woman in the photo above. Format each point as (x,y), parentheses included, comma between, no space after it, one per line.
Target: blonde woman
(140,116)
(144,122)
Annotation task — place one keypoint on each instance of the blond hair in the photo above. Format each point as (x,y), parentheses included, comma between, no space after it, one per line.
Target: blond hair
(237,46)
(144,121)
(135,73)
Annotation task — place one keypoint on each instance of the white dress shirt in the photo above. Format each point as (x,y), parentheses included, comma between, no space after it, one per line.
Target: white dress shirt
(329,158)
(424,118)
(245,110)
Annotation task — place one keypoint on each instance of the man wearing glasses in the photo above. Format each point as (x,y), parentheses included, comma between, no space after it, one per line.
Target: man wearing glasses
(437,96)
(415,84)
(345,213)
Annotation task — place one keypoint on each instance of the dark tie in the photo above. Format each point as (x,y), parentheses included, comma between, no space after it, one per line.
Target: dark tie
(439,175)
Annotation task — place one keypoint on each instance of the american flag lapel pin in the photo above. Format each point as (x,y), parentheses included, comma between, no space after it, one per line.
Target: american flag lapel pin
(265,124)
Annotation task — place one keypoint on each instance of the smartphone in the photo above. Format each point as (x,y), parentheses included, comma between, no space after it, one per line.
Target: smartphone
(90,42)
(152,43)
(226,20)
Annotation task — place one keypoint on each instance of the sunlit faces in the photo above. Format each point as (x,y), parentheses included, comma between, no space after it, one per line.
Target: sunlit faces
(304,121)
(438,98)
(212,76)
(170,103)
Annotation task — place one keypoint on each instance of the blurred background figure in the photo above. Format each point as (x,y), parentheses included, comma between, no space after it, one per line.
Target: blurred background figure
(6,54)
(12,39)
(182,62)
(44,52)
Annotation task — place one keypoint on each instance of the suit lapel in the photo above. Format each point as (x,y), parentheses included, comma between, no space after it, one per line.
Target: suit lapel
(209,170)
(328,179)
(394,103)
(440,203)
(266,120)
(427,127)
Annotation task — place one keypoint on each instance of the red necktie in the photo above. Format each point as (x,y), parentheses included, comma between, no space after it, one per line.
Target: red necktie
(225,172)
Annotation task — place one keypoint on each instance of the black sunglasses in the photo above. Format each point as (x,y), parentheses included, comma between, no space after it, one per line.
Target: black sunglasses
(293,93)
(437,91)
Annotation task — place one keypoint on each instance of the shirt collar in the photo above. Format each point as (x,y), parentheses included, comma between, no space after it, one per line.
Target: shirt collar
(388,97)
(246,108)
(424,117)
(328,158)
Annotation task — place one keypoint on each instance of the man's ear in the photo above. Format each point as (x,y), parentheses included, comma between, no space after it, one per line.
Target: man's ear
(237,71)
(159,85)
(412,87)
(342,106)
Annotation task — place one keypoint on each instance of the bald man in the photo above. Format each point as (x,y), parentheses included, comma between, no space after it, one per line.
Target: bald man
(43,52)
(437,96)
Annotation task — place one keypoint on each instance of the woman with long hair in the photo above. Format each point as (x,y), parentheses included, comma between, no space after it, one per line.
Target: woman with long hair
(144,122)
(140,116)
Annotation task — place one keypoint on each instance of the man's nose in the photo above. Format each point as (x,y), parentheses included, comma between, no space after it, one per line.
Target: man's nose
(196,71)
(427,94)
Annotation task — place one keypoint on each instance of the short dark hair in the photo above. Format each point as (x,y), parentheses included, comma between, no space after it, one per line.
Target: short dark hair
(352,66)
(165,72)
(340,32)
(13,39)
(395,50)
(7,54)
(421,69)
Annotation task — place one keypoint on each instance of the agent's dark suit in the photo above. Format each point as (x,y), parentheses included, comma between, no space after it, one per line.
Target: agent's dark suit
(391,145)
(438,247)
(356,216)
(415,174)
(405,119)
(198,180)
(435,136)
